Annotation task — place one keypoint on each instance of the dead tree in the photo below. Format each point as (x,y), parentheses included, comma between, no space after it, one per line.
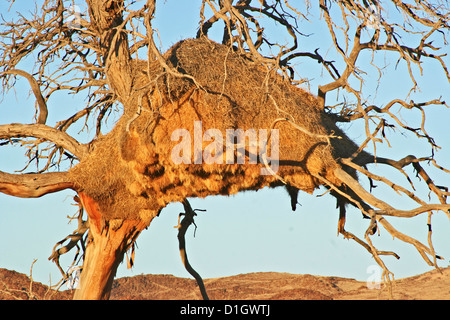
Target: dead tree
(124,178)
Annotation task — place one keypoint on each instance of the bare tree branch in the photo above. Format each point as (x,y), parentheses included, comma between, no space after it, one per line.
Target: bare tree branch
(33,185)
(182,226)
(46,133)
(43,112)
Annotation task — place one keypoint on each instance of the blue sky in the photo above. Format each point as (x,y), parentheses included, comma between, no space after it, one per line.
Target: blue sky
(247,232)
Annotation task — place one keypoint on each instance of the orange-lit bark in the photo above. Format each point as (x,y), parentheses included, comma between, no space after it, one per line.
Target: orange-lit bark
(104,251)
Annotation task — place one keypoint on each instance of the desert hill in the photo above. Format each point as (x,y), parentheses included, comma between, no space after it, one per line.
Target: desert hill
(431,285)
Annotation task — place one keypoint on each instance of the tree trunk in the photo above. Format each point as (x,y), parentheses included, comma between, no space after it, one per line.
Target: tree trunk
(104,251)
(107,18)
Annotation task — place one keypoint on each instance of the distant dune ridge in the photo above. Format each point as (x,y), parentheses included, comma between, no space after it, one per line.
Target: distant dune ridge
(431,285)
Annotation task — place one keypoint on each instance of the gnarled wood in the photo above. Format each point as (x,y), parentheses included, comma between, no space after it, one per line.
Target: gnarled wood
(33,185)
(105,250)
(106,18)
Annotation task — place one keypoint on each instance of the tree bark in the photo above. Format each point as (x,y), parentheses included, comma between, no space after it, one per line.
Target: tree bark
(107,18)
(109,240)
(33,185)
(104,251)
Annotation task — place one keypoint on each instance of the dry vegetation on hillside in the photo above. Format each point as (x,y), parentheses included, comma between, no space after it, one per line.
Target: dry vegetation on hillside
(431,285)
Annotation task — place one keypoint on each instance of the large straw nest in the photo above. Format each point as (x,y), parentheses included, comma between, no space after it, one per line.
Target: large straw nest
(131,173)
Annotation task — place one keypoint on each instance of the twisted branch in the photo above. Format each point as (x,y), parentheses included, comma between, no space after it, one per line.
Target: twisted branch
(182,227)
(74,239)
(43,112)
